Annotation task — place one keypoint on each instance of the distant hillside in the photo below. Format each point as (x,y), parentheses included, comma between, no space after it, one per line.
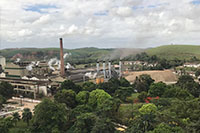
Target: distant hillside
(175,51)
(78,56)
(47,53)
(91,54)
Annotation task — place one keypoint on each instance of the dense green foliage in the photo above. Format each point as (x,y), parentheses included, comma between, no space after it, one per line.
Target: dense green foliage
(49,116)
(2,101)
(143,107)
(69,85)
(97,97)
(157,89)
(27,115)
(5,124)
(155,63)
(82,97)
(16,117)
(6,90)
(66,96)
(143,82)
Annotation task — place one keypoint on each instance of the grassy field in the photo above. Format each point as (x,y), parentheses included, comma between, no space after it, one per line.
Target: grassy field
(175,51)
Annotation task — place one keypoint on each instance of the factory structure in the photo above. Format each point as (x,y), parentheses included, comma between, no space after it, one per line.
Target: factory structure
(38,77)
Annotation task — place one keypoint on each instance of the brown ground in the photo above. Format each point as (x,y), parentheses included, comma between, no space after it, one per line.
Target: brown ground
(26,104)
(166,76)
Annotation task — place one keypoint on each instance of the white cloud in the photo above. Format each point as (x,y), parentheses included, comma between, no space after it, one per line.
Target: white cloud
(24,32)
(123,11)
(105,23)
(44,19)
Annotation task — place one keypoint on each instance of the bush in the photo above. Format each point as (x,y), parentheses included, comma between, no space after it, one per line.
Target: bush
(142,96)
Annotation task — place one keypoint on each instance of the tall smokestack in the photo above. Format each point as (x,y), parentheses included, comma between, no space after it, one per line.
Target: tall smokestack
(97,68)
(120,68)
(62,67)
(109,69)
(104,69)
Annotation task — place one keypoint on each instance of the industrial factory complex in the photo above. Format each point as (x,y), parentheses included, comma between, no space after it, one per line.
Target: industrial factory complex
(37,77)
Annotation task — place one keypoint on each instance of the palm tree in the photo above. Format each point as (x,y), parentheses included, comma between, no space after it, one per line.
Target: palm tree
(16,117)
(26,115)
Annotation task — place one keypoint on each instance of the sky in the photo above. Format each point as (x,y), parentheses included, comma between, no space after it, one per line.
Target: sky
(99,23)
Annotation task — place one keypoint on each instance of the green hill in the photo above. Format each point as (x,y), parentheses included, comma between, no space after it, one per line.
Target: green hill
(175,51)
(78,56)
(47,53)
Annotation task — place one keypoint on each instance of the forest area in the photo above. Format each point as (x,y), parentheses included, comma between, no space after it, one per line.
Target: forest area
(111,107)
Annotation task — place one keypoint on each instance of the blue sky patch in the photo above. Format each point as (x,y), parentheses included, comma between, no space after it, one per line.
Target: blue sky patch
(38,7)
(137,7)
(195,2)
(101,13)
(152,6)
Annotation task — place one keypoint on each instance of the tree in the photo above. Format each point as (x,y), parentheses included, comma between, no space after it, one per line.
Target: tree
(6,90)
(5,124)
(70,85)
(143,83)
(161,102)
(16,117)
(148,109)
(184,80)
(82,97)
(103,125)
(109,108)
(187,82)
(142,96)
(80,109)
(197,73)
(135,126)
(2,101)
(124,82)
(111,86)
(97,97)
(164,128)
(66,96)
(147,112)
(170,92)
(49,116)
(114,81)
(83,124)
(157,89)
(89,86)
(123,92)
(27,115)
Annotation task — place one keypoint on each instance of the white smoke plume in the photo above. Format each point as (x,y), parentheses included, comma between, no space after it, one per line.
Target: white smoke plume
(18,60)
(67,55)
(30,66)
(53,61)
(90,75)
(56,62)
(121,53)
(68,66)
(37,63)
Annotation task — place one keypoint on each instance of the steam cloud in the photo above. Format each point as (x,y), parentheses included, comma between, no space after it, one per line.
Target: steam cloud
(30,66)
(67,55)
(18,60)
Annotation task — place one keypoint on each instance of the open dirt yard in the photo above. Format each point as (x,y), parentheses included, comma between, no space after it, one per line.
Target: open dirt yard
(166,76)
